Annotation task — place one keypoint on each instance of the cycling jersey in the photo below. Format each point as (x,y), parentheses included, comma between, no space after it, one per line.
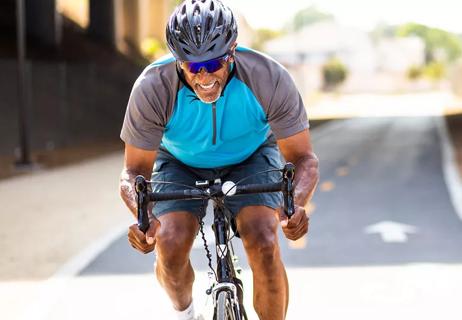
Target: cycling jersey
(260,97)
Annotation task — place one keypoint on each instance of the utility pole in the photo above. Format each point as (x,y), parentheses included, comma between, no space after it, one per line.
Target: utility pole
(23,88)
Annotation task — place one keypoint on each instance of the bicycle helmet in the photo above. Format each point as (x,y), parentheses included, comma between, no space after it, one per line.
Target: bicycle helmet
(201,30)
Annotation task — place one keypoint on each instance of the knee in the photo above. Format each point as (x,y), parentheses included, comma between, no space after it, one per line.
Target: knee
(261,244)
(173,248)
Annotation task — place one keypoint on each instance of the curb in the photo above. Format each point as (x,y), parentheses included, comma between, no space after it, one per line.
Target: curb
(450,170)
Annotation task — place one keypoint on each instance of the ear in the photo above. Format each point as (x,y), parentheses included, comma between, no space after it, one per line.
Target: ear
(180,65)
(232,51)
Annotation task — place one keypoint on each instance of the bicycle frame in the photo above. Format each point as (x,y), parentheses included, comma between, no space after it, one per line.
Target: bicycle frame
(226,274)
(227,284)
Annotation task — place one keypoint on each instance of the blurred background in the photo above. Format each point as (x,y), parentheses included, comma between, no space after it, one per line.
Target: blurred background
(81,58)
(382,84)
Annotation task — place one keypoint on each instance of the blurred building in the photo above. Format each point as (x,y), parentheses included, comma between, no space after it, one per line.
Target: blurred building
(317,43)
(138,22)
(456,78)
(132,22)
(246,32)
(398,54)
(371,66)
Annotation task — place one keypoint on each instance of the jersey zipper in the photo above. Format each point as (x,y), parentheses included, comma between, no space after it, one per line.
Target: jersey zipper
(214,115)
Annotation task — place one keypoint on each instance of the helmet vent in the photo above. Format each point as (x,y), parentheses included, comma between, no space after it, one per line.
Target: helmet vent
(183,10)
(212,6)
(197,10)
(220,20)
(209,23)
(211,48)
(216,37)
(228,36)
(185,24)
(186,50)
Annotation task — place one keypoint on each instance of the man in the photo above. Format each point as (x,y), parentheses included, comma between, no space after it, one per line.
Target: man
(215,110)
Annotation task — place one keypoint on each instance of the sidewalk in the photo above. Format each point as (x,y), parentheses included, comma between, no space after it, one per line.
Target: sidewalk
(45,228)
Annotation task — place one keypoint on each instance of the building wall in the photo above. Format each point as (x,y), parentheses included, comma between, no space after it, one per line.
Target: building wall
(43,21)
(138,20)
(456,78)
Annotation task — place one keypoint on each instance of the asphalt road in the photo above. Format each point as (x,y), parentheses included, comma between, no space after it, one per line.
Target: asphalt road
(384,239)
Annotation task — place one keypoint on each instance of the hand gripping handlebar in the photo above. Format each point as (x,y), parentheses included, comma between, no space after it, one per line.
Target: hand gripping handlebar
(141,187)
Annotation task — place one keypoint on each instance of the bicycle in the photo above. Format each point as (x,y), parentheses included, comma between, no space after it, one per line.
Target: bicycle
(227,289)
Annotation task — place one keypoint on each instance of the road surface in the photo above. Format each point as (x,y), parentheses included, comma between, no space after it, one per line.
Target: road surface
(384,242)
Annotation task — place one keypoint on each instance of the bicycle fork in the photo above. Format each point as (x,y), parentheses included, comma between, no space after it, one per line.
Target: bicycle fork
(226,276)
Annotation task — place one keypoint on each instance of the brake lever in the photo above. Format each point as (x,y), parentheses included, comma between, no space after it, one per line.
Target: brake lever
(288,175)
(141,188)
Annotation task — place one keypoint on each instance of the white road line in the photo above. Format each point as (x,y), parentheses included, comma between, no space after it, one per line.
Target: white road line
(450,170)
(51,289)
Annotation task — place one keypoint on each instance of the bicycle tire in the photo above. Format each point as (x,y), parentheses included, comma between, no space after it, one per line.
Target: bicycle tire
(225,310)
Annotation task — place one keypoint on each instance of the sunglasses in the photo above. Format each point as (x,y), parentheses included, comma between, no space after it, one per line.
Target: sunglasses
(210,66)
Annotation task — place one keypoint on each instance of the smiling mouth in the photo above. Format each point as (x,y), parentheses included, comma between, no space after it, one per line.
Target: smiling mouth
(207,87)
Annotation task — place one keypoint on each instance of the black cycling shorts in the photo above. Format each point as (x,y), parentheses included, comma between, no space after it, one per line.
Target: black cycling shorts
(168,168)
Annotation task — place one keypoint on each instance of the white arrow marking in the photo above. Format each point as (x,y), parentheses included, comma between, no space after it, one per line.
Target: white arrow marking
(391,231)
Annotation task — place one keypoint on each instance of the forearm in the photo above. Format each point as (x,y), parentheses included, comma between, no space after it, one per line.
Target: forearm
(306,179)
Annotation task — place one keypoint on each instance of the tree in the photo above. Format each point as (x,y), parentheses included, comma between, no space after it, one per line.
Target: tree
(262,36)
(308,16)
(383,30)
(436,41)
(334,73)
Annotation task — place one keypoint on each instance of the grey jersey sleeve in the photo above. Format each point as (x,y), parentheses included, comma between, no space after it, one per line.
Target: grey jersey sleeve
(286,111)
(149,107)
(276,92)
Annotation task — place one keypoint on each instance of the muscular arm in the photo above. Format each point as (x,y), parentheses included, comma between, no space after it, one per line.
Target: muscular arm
(298,150)
(137,162)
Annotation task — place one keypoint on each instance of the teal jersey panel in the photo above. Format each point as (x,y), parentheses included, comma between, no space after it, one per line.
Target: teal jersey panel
(241,127)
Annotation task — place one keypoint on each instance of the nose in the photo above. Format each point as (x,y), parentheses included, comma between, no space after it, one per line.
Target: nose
(202,74)
(203,70)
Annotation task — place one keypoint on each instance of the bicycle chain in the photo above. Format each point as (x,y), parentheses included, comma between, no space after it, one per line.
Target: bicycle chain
(208,254)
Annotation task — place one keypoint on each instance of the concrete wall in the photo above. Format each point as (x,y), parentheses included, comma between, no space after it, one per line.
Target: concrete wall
(456,78)
(43,21)
(137,20)
(76,10)
(102,21)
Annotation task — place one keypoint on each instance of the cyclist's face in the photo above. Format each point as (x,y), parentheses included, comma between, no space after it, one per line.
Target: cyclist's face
(208,86)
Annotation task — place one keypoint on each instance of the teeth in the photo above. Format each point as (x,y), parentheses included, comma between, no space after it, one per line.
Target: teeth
(209,86)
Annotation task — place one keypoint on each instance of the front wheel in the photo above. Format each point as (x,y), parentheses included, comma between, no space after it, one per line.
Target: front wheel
(226,310)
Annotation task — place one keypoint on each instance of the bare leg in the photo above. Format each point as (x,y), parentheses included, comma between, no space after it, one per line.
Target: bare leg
(174,241)
(257,226)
